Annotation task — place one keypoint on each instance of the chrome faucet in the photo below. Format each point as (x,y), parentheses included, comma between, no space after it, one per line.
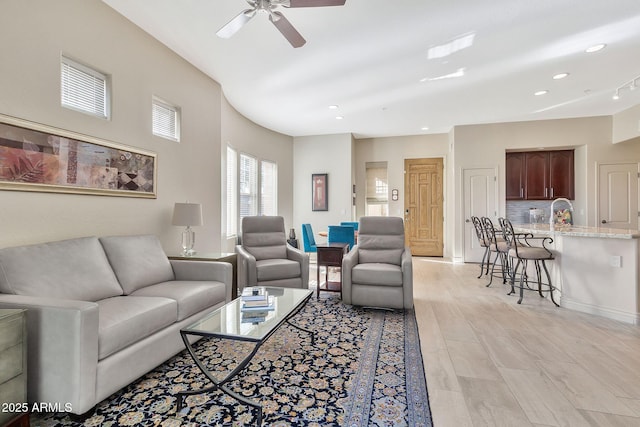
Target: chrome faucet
(552,217)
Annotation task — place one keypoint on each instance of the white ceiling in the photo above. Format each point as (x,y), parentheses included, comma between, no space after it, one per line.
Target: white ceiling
(369,56)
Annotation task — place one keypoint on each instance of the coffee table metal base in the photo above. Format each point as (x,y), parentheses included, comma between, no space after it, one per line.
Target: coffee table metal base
(221,384)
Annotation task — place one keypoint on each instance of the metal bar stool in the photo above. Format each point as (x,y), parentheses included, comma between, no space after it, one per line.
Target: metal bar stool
(522,251)
(484,243)
(497,245)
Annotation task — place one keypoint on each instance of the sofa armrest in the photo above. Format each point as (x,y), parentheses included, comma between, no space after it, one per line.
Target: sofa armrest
(301,257)
(349,261)
(205,271)
(406,265)
(62,348)
(247,273)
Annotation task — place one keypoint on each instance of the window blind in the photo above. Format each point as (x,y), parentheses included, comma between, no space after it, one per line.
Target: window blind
(268,188)
(83,89)
(232,191)
(165,120)
(377,191)
(248,185)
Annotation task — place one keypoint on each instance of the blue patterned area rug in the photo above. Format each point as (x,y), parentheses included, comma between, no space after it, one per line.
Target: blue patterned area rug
(365,369)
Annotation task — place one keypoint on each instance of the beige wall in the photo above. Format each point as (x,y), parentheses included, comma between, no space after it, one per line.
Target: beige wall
(330,154)
(34,35)
(36,32)
(247,137)
(478,146)
(626,125)
(394,150)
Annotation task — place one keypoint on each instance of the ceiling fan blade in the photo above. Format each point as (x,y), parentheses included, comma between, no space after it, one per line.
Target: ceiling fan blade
(236,23)
(315,3)
(287,30)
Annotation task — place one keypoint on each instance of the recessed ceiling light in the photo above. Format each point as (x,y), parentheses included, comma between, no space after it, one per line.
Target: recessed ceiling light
(560,76)
(541,92)
(595,48)
(333,107)
(425,128)
(339,117)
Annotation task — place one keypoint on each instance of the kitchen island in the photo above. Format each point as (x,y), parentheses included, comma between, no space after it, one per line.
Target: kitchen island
(596,269)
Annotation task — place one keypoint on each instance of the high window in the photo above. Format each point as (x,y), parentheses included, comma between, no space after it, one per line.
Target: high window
(84,89)
(165,120)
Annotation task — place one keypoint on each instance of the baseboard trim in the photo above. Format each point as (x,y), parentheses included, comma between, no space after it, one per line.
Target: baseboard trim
(622,316)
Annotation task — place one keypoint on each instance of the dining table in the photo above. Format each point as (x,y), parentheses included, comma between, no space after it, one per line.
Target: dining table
(326,234)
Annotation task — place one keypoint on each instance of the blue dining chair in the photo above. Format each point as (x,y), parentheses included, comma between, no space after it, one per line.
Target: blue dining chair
(308,241)
(341,234)
(353,224)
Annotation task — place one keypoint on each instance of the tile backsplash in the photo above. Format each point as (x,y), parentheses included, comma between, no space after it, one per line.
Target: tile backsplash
(518,211)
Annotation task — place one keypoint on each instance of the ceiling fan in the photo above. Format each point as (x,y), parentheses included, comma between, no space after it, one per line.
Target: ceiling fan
(277,18)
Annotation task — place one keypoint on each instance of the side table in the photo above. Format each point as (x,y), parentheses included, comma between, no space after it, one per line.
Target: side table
(229,257)
(13,368)
(330,255)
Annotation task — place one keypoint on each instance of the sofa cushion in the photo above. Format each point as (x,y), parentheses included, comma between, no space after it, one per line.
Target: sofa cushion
(75,269)
(191,296)
(138,261)
(377,274)
(272,269)
(125,320)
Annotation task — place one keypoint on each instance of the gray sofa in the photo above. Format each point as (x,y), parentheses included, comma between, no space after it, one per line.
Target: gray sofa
(378,271)
(101,312)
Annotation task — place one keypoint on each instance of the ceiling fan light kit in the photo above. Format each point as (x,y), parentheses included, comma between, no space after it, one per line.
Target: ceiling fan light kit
(277,19)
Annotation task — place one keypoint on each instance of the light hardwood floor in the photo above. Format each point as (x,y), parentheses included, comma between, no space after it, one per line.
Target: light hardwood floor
(491,362)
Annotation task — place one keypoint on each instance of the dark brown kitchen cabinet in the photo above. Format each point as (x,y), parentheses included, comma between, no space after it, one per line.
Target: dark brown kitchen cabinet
(536,185)
(515,176)
(561,175)
(540,175)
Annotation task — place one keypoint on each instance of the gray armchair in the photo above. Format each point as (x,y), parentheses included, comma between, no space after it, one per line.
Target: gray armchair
(265,258)
(378,271)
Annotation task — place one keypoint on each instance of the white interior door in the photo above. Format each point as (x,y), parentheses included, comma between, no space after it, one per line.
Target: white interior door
(618,195)
(480,199)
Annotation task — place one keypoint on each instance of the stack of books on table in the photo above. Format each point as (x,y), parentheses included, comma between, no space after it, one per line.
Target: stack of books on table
(255,304)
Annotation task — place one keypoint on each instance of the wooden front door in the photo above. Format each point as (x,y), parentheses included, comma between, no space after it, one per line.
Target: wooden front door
(423,206)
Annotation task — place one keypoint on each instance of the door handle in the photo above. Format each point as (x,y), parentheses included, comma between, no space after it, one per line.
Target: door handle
(467,220)
(604,221)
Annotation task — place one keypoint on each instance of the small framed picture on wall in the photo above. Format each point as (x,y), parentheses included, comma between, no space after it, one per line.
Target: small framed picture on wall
(319,192)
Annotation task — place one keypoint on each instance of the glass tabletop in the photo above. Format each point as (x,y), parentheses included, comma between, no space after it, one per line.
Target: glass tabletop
(231,321)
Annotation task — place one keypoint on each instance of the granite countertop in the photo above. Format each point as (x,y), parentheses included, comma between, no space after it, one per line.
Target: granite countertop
(578,231)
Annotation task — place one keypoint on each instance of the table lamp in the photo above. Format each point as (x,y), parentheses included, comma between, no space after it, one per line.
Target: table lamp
(188,215)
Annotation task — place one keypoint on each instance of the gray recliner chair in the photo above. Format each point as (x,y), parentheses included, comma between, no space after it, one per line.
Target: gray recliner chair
(265,258)
(378,271)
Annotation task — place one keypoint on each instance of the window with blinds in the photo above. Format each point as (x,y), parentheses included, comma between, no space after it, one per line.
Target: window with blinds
(84,89)
(268,188)
(248,186)
(232,192)
(377,190)
(165,120)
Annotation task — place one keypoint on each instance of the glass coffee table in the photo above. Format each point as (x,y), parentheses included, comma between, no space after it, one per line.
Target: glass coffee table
(230,322)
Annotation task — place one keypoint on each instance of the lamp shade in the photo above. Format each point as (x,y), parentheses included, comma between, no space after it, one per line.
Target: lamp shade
(187,214)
